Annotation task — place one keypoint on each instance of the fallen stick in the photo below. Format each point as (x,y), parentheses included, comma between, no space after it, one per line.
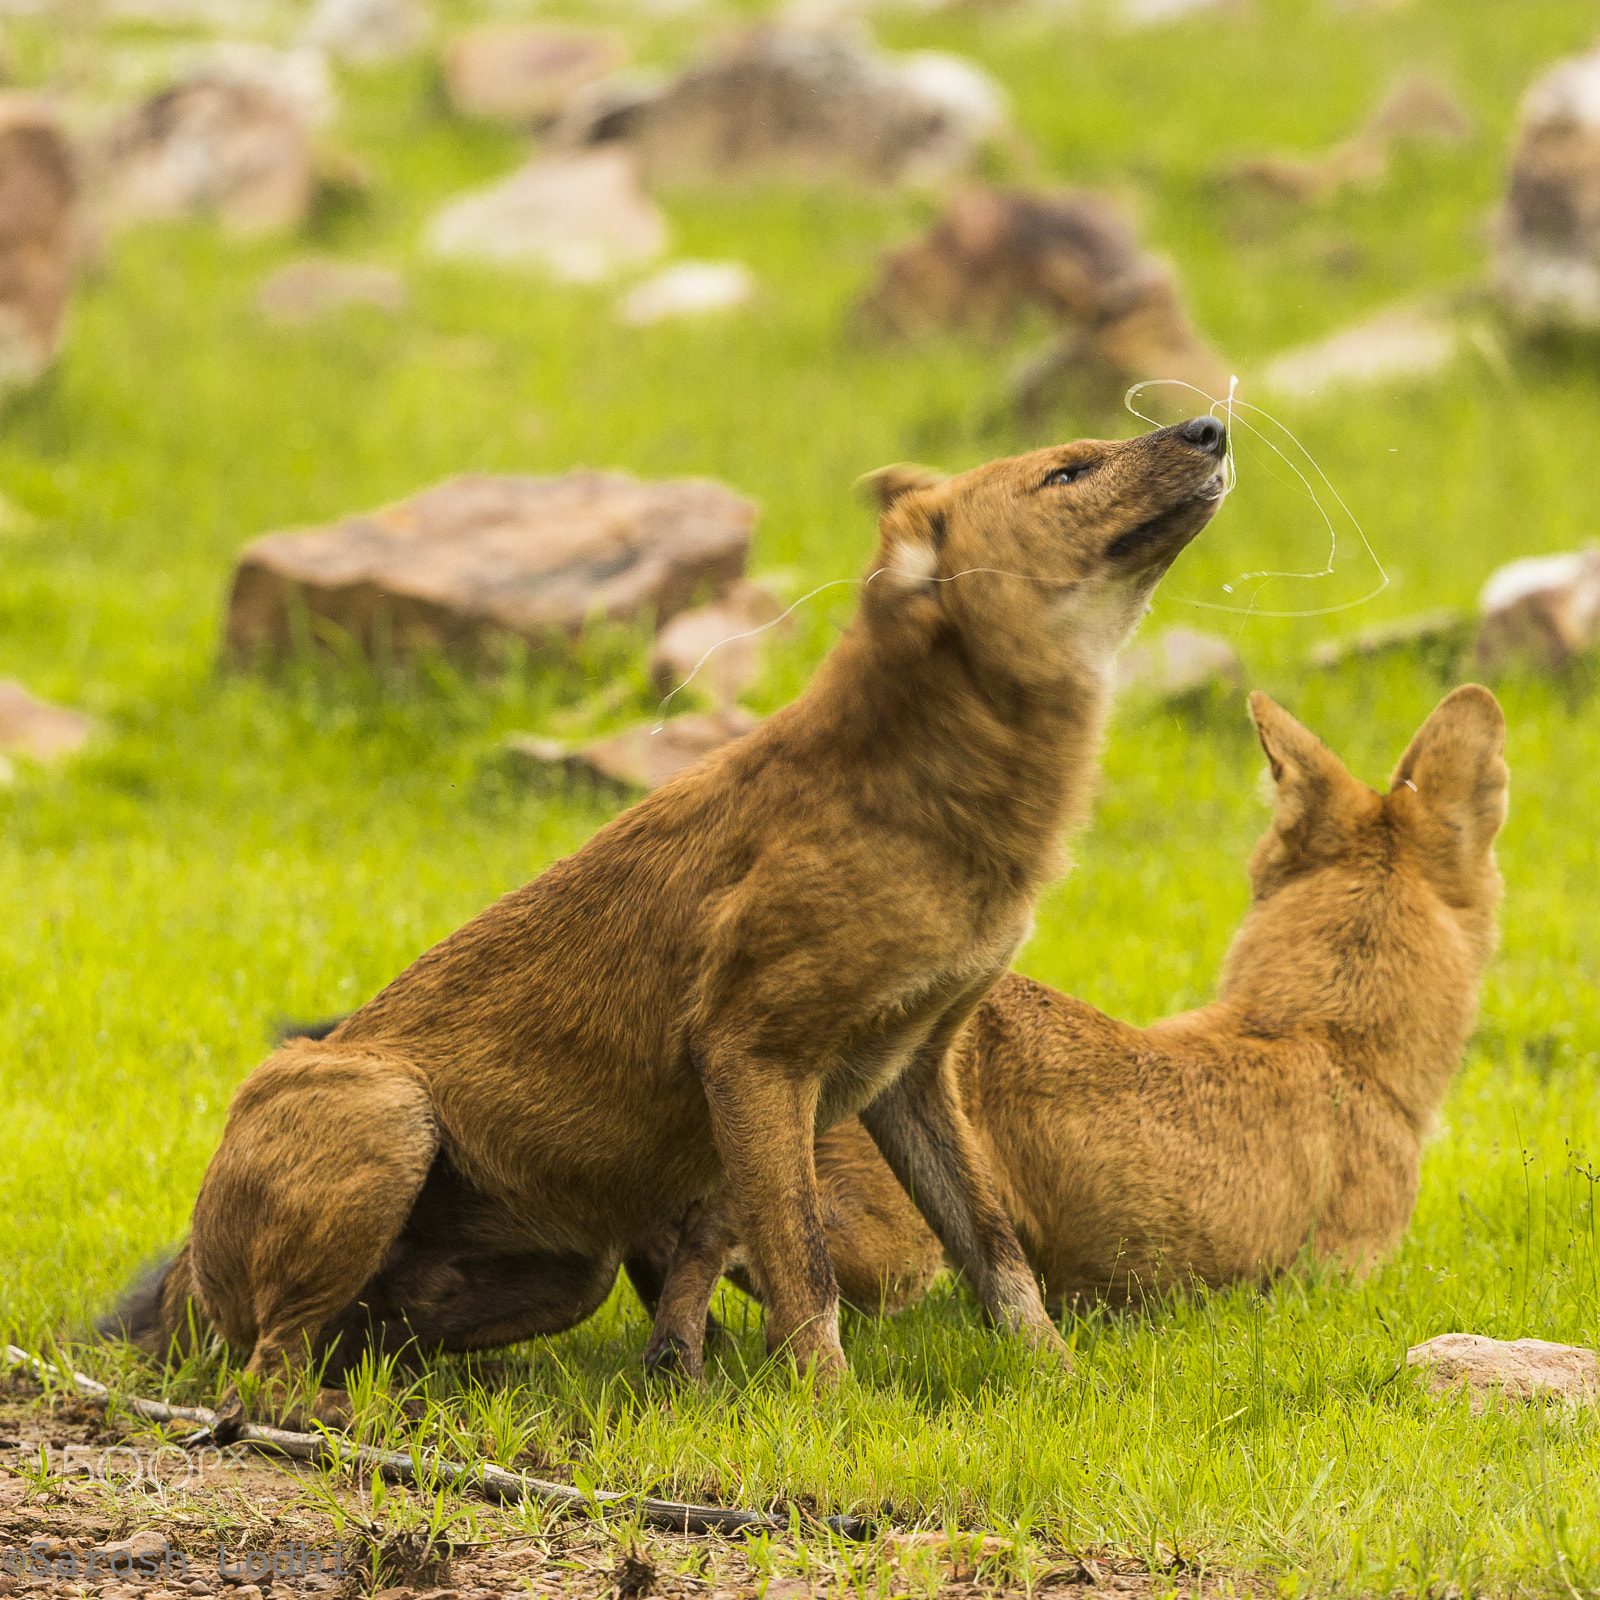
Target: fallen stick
(508,1487)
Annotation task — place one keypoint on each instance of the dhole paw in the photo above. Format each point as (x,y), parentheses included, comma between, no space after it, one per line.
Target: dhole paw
(670,1359)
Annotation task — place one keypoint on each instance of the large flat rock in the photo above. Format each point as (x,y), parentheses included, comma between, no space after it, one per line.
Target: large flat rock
(641,757)
(1514,1369)
(481,556)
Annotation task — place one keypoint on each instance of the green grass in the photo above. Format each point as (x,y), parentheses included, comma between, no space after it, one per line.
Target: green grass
(231,852)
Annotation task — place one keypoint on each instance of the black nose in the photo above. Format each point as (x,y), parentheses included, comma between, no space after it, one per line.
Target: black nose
(1205,433)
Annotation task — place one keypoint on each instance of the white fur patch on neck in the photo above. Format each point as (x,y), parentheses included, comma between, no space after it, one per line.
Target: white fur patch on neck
(913,561)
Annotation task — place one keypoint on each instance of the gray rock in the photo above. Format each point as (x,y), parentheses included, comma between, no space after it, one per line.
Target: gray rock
(1547,231)
(1179,661)
(716,648)
(35,728)
(482,556)
(1543,611)
(526,73)
(580,216)
(642,757)
(302,291)
(810,106)
(1516,1369)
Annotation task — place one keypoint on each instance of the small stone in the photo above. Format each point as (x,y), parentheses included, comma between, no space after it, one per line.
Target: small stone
(1179,661)
(582,217)
(1547,232)
(365,32)
(230,139)
(1542,611)
(35,728)
(302,291)
(481,556)
(243,1591)
(526,73)
(642,757)
(1400,344)
(1517,1369)
(687,289)
(720,644)
(38,221)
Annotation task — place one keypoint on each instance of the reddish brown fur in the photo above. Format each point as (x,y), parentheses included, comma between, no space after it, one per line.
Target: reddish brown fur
(1218,1145)
(795,928)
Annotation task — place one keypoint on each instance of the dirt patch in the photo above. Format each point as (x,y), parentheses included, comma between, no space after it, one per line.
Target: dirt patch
(157,1522)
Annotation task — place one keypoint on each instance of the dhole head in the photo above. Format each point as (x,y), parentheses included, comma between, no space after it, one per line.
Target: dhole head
(1043,563)
(1364,902)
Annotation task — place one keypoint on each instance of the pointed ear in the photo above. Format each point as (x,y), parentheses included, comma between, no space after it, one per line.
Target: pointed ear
(1453,774)
(883,487)
(1307,776)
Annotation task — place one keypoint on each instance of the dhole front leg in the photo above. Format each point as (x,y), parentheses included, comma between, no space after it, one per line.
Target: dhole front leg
(763,1118)
(919,1126)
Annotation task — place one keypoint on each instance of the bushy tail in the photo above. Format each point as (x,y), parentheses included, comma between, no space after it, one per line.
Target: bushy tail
(155,1314)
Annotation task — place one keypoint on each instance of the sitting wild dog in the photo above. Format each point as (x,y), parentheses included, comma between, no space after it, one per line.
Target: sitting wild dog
(1216,1146)
(789,933)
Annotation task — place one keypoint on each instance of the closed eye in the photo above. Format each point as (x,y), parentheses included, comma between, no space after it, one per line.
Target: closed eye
(1063,475)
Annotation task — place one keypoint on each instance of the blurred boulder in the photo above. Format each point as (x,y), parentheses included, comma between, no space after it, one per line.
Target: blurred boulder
(1401,343)
(38,236)
(524,73)
(716,647)
(1515,1369)
(366,32)
(1179,661)
(231,138)
(642,757)
(1543,612)
(482,556)
(1547,231)
(687,289)
(581,216)
(1074,257)
(809,105)
(1432,630)
(31,727)
(302,291)
(1417,108)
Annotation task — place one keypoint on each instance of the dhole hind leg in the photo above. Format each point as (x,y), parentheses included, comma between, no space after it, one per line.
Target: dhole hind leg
(683,1312)
(323,1156)
(463,1275)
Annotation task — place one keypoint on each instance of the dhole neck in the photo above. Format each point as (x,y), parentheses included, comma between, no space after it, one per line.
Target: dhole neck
(999,768)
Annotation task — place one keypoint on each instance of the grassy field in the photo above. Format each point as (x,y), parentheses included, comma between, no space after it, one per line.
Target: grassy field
(231,852)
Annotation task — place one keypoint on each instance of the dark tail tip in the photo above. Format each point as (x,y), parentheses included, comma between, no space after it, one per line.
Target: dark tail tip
(285,1031)
(137,1318)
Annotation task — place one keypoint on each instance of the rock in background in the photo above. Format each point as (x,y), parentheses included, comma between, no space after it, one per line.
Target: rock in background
(582,217)
(804,105)
(479,557)
(231,138)
(1403,343)
(716,649)
(366,32)
(1542,612)
(35,728)
(1511,1369)
(1547,232)
(687,289)
(300,292)
(526,73)
(38,237)
(1178,662)
(642,757)
(1071,255)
